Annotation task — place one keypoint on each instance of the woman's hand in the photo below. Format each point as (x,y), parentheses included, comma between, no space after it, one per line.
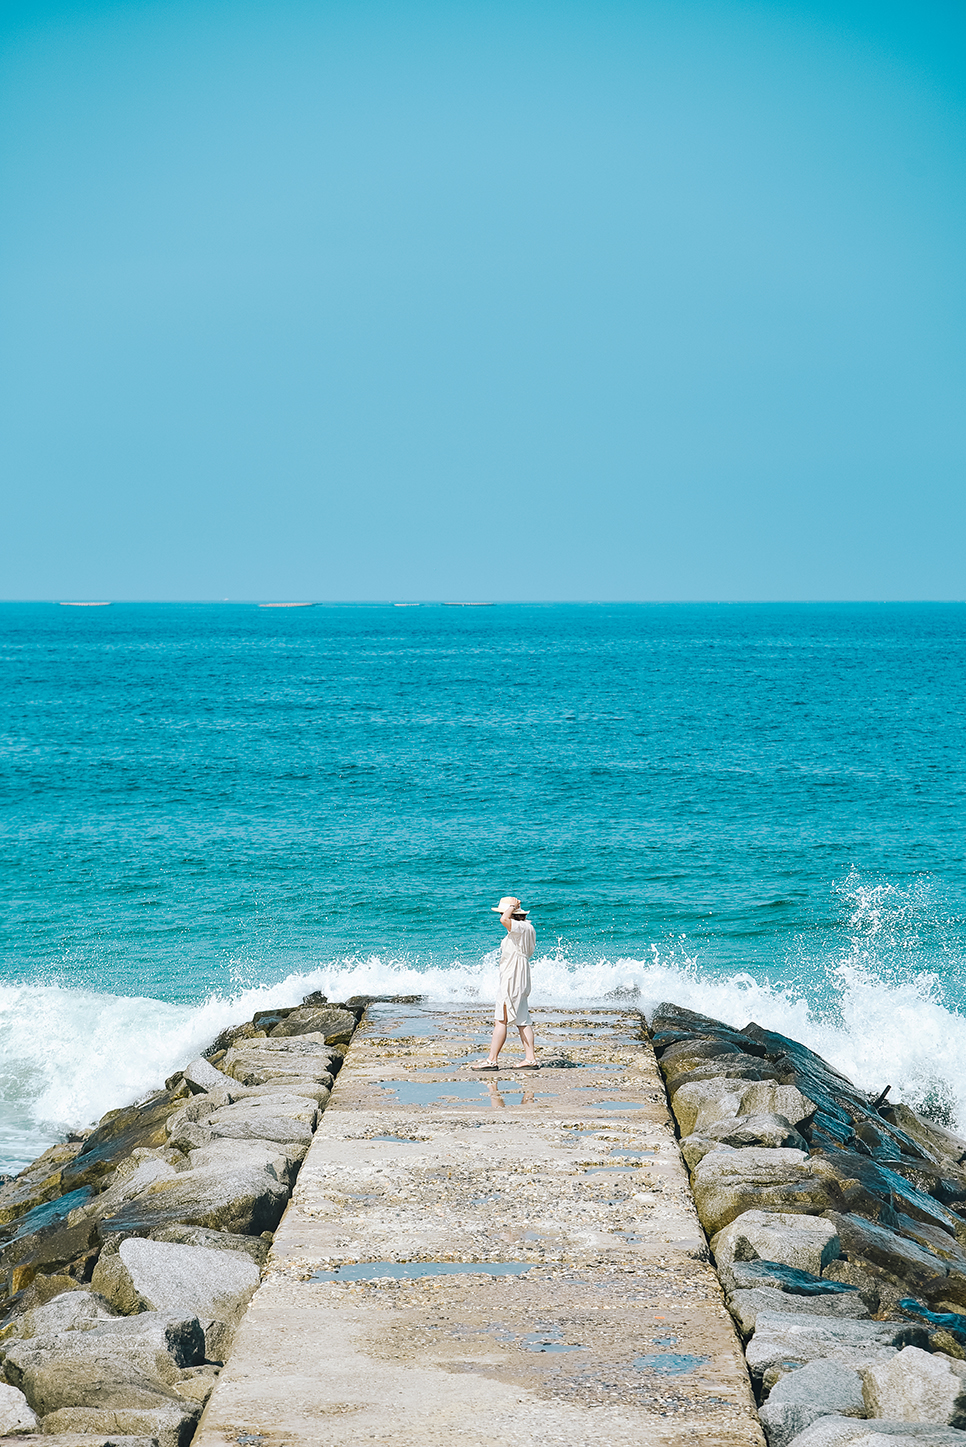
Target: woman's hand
(506,919)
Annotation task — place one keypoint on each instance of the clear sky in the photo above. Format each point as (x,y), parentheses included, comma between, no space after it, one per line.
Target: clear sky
(482,299)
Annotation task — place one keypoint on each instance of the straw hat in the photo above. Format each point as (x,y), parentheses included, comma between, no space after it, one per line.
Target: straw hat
(509,904)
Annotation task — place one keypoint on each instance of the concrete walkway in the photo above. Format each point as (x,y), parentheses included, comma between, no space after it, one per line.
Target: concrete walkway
(554,1291)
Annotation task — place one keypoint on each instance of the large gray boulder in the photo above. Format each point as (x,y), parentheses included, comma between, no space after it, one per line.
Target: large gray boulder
(802,1397)
(745,1305)
(759,1129)
(124,1362)
(917,1386)
(695,1147)
(15,1413)
(258,1068)
(255,1247)
(298,1086)
(806,1242)
(170,1425)
(272,1118)
(847,1432)
(785,1341)
(72,1311)
(202,1077)
(725,1184)
(767,1098)
(699,1103)
(162,1277)
(243,1191)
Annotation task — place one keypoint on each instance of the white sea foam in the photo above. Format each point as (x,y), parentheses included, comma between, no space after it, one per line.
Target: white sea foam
(67,1056)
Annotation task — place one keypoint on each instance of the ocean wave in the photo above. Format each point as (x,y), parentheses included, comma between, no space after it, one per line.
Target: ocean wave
(67,1056)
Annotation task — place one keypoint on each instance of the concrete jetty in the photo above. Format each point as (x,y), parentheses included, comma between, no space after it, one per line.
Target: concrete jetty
(492,1260)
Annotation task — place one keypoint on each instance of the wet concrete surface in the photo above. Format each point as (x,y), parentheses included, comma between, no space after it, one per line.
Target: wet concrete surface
(592,1315)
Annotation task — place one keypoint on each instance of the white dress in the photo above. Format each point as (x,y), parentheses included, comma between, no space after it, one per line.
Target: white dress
(515,955)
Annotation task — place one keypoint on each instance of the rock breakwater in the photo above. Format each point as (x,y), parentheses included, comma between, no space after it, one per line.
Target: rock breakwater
(128,1254)
(837,1223)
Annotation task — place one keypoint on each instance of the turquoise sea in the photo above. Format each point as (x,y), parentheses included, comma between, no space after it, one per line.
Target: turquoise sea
(755,810)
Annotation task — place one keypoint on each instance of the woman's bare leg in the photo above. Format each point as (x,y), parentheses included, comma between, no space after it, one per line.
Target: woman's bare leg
(496,1044)
(499,1039)
(526,1035)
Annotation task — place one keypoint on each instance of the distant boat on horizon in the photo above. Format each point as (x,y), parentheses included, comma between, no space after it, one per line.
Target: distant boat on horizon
(469,605)
(407,605)
(106,604)
(286,605)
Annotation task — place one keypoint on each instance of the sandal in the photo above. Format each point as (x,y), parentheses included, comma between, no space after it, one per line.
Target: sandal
(487,1066)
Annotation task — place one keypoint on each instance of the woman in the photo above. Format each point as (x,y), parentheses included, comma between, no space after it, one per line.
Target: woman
(512,1000)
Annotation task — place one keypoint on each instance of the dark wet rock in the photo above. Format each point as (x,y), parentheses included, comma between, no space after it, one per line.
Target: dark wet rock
(904,1261)
(120,1133)
(334,1024)
(43,1252)
(871,1189)
(952,1322)
(50,1213)
(673,1024)
(934,1142)
(741,1275)
(37,1183)
(267,1019)
(935,1239)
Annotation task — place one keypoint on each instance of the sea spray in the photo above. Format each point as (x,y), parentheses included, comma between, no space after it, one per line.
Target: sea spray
(67,1056)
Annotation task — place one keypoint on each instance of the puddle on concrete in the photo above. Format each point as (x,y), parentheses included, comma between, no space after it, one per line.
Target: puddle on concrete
(669,1364)
(442,1092)
(616,1104)
(426,1092)
(392,1022)
(664,1341)
(402,1140)
(411,1270)
(548,1341)
(613,1171)
(635,1155)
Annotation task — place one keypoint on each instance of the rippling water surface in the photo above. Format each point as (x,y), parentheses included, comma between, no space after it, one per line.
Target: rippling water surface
(755,810)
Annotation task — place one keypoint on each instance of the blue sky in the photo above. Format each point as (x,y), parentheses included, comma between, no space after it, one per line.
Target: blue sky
(482,300)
